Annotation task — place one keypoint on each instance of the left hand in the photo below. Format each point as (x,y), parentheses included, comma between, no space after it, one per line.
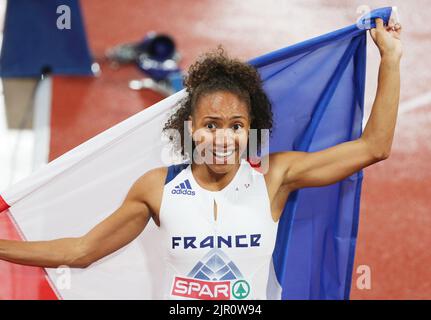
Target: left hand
(387,39)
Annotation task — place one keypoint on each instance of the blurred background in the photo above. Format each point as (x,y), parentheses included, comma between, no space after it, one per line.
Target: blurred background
(48,111)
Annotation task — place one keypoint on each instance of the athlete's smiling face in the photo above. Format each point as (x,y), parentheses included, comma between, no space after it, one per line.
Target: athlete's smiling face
(220,124)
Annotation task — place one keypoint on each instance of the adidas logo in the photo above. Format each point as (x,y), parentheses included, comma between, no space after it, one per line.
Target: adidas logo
(183,188)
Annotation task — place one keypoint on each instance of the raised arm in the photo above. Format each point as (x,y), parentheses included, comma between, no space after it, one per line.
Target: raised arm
(312,169)
(117,230)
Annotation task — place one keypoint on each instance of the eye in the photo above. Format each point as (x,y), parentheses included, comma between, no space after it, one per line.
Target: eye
(237,126)
(211,126)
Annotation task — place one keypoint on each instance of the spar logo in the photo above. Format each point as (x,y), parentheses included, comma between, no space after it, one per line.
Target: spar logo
(215,277)
(210,290)
(240,289)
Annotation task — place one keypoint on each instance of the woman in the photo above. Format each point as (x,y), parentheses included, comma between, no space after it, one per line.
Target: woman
(218,215)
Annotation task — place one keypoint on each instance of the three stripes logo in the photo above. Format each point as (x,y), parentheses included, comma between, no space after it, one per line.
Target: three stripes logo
(183,188)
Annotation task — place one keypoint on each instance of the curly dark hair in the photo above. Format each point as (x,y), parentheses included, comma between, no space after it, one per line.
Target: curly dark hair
(216,71)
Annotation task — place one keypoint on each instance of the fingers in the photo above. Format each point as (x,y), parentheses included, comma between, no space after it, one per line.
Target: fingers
(391,27)
(395,30)
(379,24)
(379,27)
(397,27)
(391,24)
(373,33)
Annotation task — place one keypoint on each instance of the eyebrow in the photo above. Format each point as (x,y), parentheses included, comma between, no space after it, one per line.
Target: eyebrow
(233,117)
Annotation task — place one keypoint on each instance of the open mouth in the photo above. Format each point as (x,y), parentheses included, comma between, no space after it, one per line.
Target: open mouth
(223,154)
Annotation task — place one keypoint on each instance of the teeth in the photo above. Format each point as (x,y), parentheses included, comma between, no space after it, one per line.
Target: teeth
(223,154)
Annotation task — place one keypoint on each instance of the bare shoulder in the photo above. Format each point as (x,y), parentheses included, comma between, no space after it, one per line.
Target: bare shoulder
(277,165)
(148,188)
(272,173)
(281,160)
(149,182)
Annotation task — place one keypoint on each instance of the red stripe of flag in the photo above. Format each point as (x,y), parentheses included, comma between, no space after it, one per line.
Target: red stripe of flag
(17,281)
(3,205)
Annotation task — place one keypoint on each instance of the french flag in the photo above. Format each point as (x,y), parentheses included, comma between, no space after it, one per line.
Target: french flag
(317,91)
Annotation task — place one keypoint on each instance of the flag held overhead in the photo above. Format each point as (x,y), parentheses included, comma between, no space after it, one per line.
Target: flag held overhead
(317,91)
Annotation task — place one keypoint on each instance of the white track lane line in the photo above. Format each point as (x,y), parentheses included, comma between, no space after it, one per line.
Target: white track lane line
(24,151)
(42,122)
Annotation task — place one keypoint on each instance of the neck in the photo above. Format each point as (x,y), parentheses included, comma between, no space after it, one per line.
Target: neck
(212,180)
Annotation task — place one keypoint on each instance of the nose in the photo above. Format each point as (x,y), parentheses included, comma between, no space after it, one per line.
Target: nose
(224,138)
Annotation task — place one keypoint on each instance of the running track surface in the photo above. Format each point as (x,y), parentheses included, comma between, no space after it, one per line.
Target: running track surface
(395,222)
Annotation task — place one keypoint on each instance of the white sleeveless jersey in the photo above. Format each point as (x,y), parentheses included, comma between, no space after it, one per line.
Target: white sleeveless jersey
(225,258)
